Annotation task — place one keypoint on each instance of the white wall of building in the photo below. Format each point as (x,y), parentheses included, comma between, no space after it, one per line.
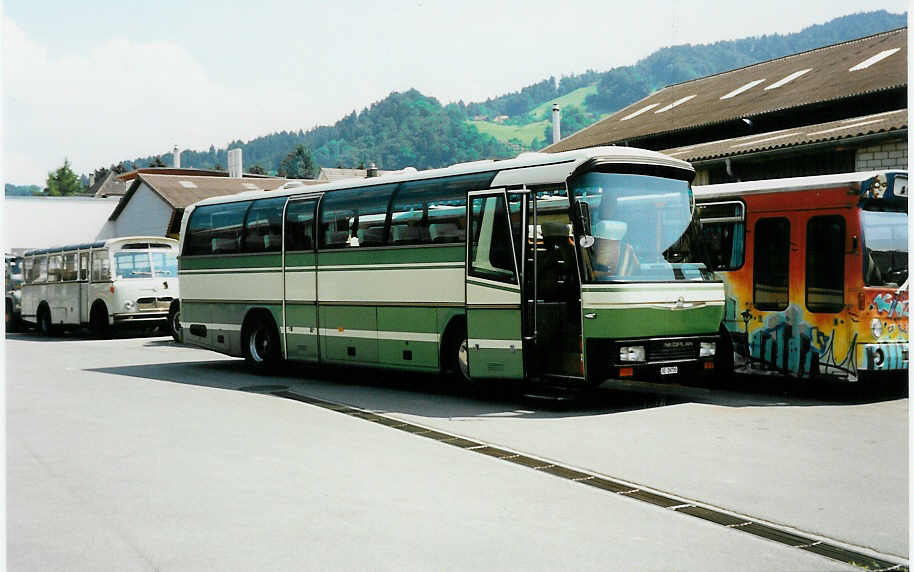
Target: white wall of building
(43,222)
(146,214)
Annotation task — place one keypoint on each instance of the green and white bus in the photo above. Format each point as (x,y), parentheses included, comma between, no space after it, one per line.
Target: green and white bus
(568,268)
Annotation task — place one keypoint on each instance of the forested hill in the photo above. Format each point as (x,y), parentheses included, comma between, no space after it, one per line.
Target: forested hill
(412,129)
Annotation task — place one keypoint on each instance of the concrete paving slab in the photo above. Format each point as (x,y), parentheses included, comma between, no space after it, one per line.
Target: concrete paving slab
(168,470)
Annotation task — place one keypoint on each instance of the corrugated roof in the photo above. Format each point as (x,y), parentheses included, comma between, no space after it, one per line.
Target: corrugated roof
(181,191)
(816,76)
(832,130)
(108,186)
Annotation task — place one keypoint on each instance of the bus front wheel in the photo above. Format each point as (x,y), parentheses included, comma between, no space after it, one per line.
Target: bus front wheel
(45,327)
(260,343)
(456,355)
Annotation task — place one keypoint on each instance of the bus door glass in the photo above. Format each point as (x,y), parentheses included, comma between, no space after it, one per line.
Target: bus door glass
(493,295)
(84,286)
(300,327)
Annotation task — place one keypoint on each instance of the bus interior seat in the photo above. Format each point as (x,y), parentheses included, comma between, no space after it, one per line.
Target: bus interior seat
(555,262)
(219,245)
(336,237)
(405,234)
(444,232)
(371,236)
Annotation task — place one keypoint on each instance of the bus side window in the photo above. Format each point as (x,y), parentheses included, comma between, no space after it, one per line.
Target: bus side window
(30,270)
(101,268)
(83,266)
(354,217)
(430,212)
(42,264)
(770,270)
(263,226)
(825,263)
(216,229)
(54,267)
(300,225)
(68,272)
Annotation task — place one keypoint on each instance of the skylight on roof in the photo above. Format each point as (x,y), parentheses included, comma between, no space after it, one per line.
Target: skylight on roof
(679,101)
(873,59)
(639,112)
(851,126)
(187,184)
(739,90)
(788,79)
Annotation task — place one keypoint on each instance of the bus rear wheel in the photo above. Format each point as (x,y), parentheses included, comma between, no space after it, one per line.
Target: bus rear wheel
(45,327)
(260,344)
(456,356)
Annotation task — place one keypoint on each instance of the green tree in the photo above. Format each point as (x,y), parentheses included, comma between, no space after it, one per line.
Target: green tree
(63,181)
(157,162)
(256,170)
(298,164)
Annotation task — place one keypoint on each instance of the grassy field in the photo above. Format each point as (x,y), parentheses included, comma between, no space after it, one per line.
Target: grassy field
(523,133)
(575,98)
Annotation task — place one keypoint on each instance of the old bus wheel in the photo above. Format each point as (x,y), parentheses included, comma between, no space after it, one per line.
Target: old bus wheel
(260,344)
(174,322)
(44,322)
(98,320)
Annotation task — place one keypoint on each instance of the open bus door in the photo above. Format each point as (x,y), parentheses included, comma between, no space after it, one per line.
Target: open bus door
(494,300)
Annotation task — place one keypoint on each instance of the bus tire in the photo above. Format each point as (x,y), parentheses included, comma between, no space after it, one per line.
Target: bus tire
(12,320)
(45,327)
(454,356)
(260,343)
(174,321)
(98,320)
(723,360)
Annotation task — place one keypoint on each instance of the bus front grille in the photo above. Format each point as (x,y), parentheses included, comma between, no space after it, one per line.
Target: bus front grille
(670,350)
(151,303)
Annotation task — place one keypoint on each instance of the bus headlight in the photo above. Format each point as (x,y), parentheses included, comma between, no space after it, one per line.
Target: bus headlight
(876,327)
(631,353)
(707,349)
(129,305)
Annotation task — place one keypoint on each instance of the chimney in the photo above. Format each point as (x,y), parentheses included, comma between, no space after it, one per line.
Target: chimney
(91,180)
(176,157)
(372,170)
(234,163)
(556,123)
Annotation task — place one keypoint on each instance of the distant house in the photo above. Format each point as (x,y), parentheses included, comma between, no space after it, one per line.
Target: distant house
(108,186)
(154,203)
(500,118)
(840,108)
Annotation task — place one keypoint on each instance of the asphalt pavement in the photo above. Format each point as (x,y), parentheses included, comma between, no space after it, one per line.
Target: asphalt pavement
(140,454)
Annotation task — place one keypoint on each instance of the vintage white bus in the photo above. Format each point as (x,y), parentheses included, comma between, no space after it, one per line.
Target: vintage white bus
(551,267)
(128,281)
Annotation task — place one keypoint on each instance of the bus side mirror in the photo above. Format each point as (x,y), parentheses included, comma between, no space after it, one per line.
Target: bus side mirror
(586,241)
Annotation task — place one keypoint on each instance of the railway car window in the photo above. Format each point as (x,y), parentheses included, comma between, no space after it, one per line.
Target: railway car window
(491,255)
(216,229)
(354,217)
(30,270)
(263,226)
(770,271)
(68,271)
(825,264)
(300,225)
(83,266)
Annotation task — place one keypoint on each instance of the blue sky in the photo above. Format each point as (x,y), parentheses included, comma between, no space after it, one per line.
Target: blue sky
(99,82)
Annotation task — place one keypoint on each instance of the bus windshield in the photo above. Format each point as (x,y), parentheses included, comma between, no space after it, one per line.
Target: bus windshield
(635,220)
(885,241)
(145,264)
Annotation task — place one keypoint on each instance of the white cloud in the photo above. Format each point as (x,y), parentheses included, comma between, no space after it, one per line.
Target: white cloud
(118,100)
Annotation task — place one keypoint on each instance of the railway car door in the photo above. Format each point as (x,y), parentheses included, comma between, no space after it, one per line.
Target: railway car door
(494,302)
(299,308)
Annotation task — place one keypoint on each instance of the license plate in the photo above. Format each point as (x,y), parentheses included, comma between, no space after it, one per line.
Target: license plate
(669,370)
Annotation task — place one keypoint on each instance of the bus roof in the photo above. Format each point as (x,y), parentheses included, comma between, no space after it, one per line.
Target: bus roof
(527,168)
(787,184)
(111,242)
